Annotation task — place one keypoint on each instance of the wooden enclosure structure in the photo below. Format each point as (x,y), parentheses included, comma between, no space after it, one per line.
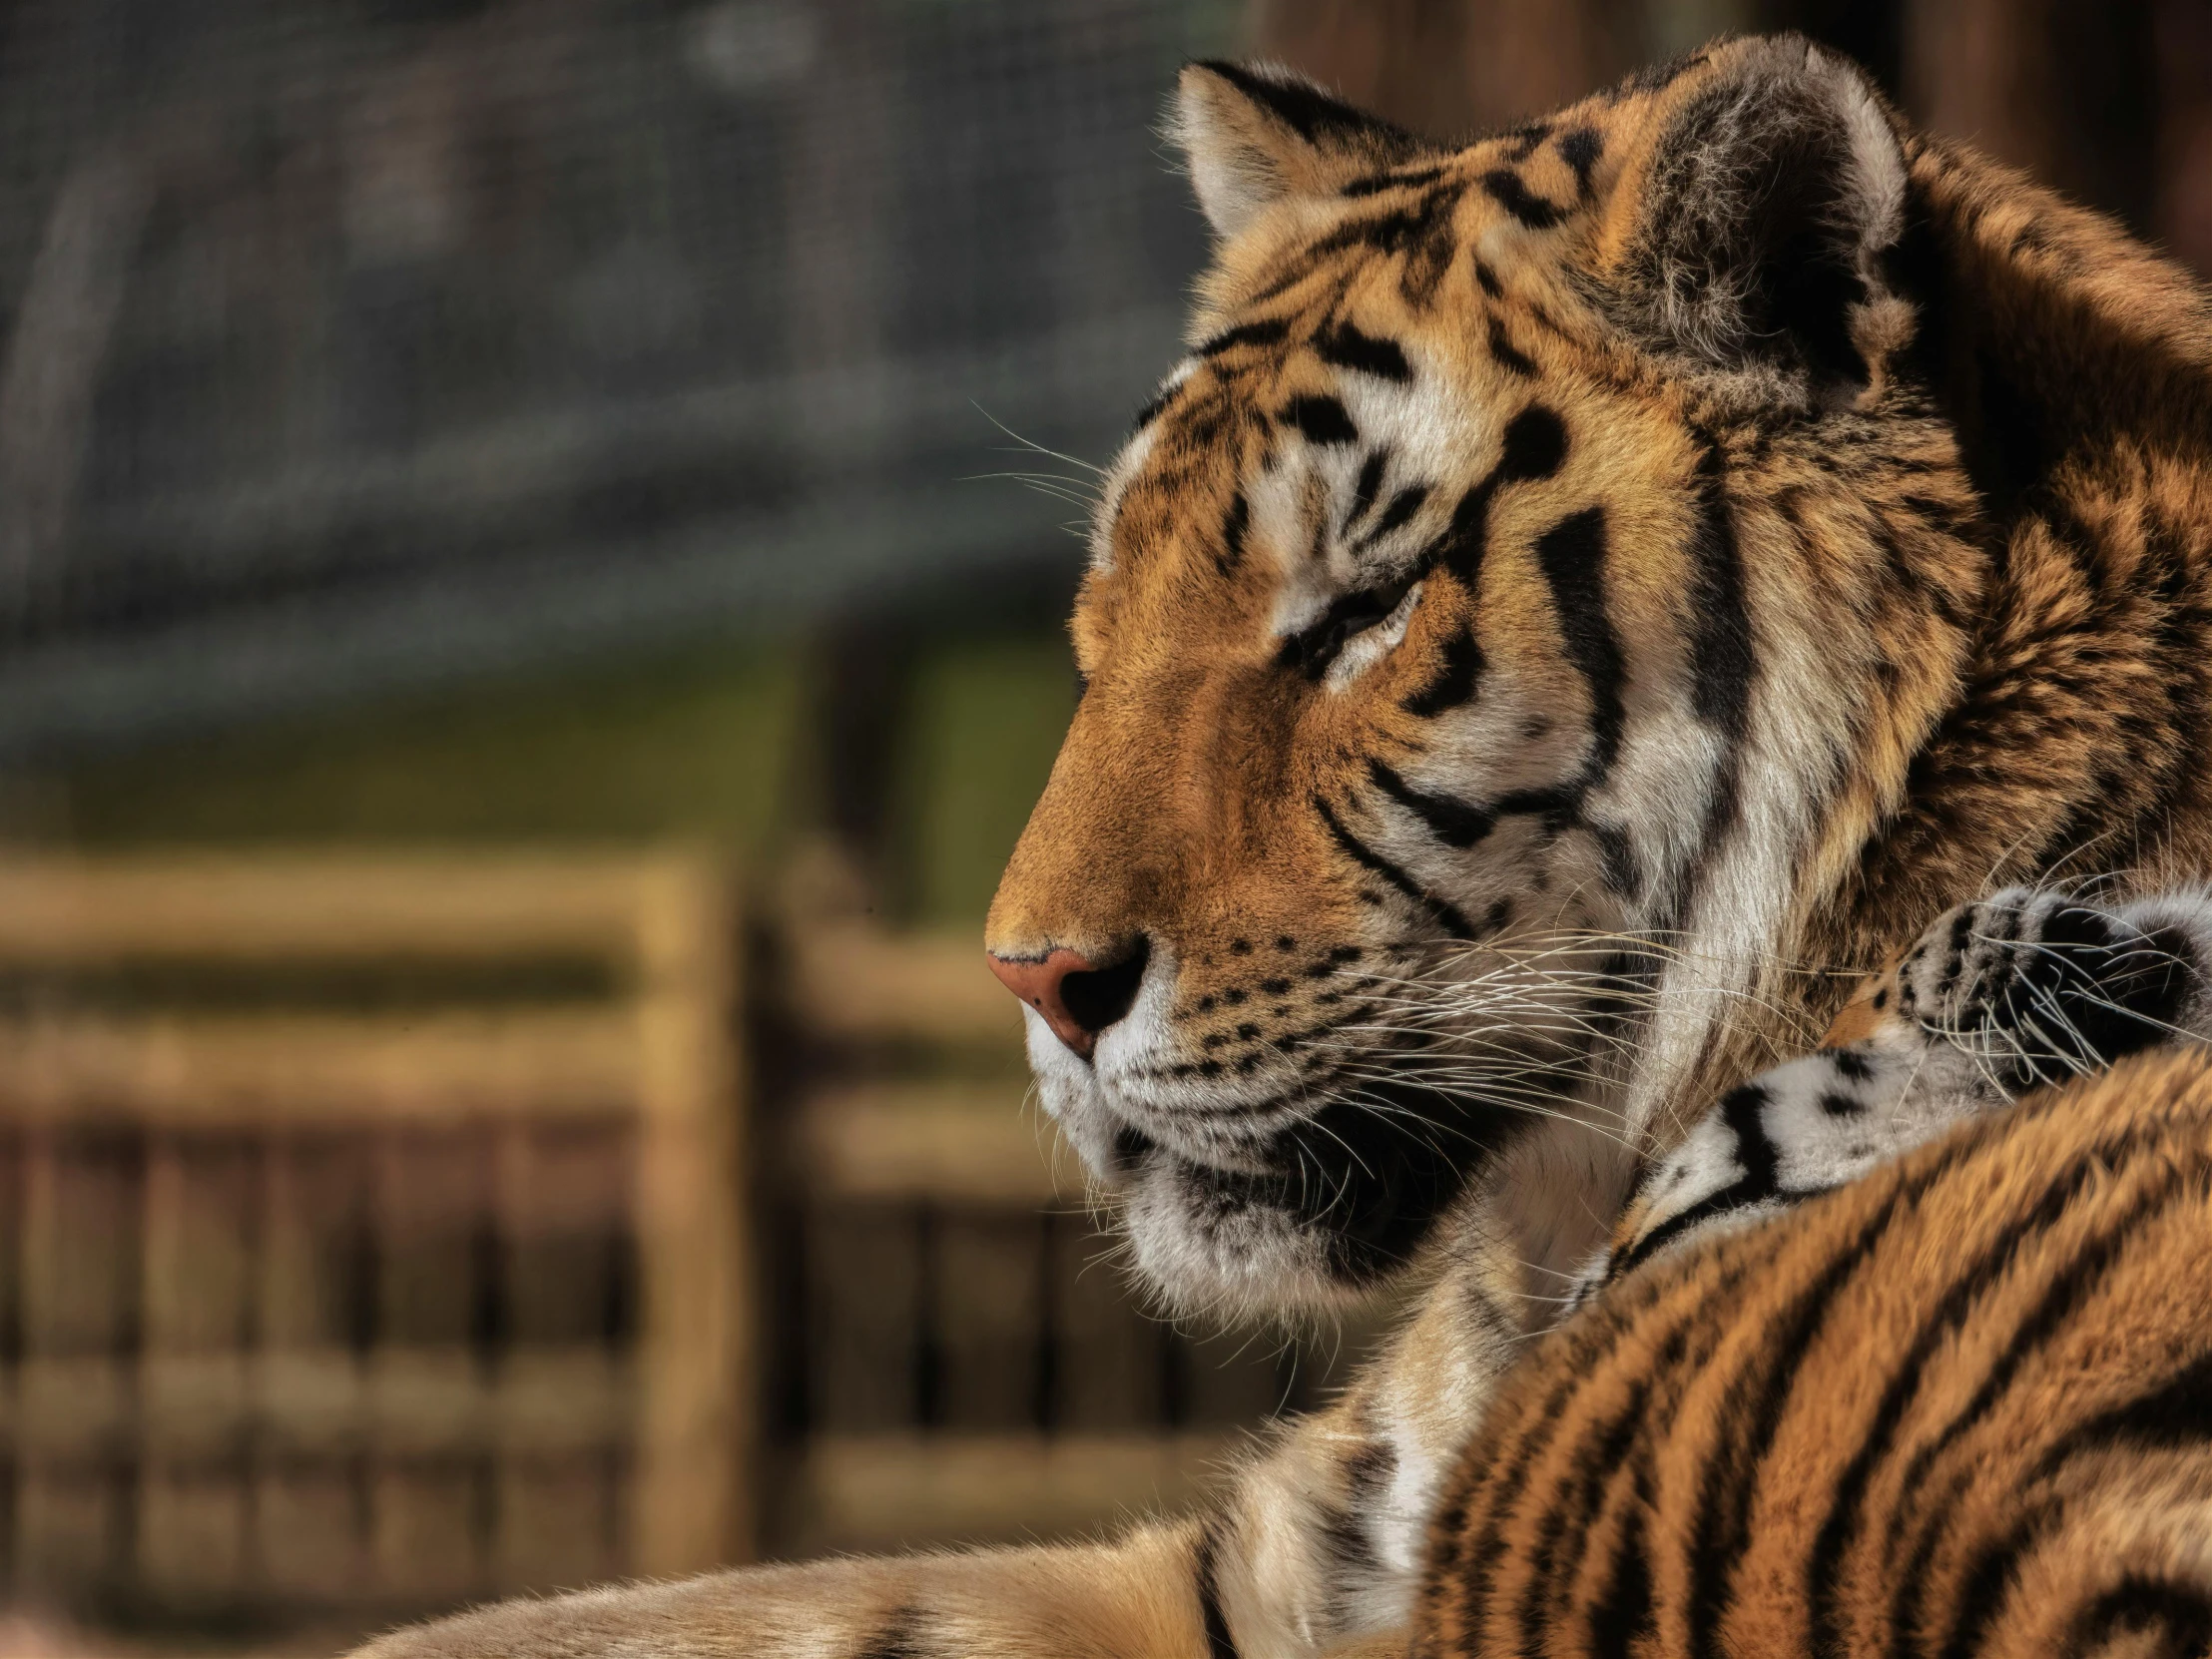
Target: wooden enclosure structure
(371,1241)
(382,1233)
(953,1355)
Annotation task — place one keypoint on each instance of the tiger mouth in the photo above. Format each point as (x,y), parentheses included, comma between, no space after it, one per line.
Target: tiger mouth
(1368,1177)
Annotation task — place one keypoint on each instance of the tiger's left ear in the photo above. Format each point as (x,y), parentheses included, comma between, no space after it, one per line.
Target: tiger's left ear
(1256,133)
(1771,192)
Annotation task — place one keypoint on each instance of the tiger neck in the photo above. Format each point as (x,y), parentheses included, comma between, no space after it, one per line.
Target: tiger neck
(2076,368)
(2074,737)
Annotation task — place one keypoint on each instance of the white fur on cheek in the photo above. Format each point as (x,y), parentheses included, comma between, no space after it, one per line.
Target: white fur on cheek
(1069,1092)
(1125,466)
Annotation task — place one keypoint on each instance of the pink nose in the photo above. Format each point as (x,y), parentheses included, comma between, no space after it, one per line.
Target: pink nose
(1077,998)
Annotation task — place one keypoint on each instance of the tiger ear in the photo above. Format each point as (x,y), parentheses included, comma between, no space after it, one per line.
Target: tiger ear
(1773,192)
(1255,134)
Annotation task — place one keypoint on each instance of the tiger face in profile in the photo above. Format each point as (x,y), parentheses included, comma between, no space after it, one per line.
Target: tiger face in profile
(1575,583)
(1546,543)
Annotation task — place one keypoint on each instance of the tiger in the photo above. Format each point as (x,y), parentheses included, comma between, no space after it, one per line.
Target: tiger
(1953,1402)
(2005,995)
(1584,598)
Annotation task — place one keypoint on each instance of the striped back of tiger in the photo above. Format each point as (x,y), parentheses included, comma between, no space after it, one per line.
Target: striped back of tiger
(1963,1407)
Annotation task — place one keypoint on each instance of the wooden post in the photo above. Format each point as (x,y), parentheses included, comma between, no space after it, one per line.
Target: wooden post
(693,1508)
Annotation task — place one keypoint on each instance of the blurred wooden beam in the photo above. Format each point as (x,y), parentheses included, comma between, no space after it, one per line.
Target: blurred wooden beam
(236,906)
(2067,91)
(1452,67)
(943,1143)
(234,1072)
(2184,47)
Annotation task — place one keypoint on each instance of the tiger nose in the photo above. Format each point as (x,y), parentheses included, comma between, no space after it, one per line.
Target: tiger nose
(1078,998)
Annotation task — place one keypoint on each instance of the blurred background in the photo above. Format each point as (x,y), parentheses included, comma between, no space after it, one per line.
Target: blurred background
(533,541)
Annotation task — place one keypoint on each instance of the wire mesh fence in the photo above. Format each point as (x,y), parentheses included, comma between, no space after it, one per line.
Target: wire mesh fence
(349,344)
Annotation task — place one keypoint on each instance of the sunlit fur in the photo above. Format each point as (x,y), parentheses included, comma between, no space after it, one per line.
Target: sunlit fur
(1810,521)
(1574,583)
(1957,1407)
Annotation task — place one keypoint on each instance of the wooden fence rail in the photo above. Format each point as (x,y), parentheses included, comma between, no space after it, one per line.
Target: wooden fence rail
(379,1234)
(372,1235)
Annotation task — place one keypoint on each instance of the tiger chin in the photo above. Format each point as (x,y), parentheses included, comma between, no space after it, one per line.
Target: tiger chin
(1582,598)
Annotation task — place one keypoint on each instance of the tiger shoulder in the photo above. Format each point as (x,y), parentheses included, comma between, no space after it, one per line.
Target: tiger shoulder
(1961,1407)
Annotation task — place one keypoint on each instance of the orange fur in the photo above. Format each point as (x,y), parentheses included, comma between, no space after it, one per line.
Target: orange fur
(1958,1407)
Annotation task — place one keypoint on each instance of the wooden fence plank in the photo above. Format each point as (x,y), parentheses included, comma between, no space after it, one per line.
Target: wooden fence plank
(232,908)
(334,1301)
(948,1142)
(854,982)
(691,1498)
(266,1070)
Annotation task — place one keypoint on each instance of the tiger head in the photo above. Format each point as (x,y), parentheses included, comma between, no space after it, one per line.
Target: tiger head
(1480,627)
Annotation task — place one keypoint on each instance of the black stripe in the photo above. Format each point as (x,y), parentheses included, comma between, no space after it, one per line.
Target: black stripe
(1555,805)
(1447,915)
(1624,871)
(1455,679)
(1375,183)
(1743,1109)
(1508,356)
(1978,1593)
(1575,1499)
(1573,556)
(1321,420)
(1220,1644)
(1621,1614)
(1404,505)
(2060,1300)
(1154,405)
(1264,331)
(1455,822)
(1526,137)
(1369,486)
(2176,1412)
(1533,448)
(1369,1471)
(1348,1555)
(1721,654)
(1487,280)
(1720,1527)
(1417,226)
(1233,523)
(2139,1606)
(1348,347)
(1465,540)
(1536,446)
(1506,190)
(1580,150)
(1312,113)
(895,1638)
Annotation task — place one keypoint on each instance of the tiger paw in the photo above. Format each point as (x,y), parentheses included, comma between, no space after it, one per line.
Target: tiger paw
(2036,987)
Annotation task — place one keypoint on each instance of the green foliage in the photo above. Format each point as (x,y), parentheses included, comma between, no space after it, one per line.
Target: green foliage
(699,746)
(984,720)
